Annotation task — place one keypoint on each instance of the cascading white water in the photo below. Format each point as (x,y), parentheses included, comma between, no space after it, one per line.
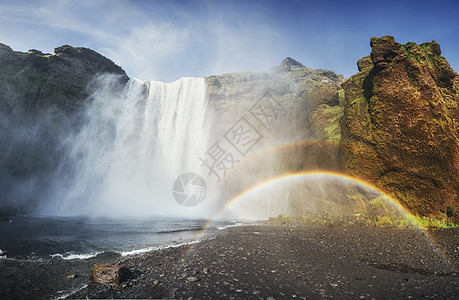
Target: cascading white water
(131,148)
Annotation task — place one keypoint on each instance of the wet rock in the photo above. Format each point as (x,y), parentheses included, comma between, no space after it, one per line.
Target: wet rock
(112,275)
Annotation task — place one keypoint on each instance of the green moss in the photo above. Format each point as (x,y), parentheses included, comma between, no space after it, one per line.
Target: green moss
(424,47)
(333,129)
(331,132)
(358,100)
(341,96)
(433,223)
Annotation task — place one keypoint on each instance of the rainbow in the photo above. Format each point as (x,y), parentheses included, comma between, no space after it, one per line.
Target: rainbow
(244,194)
(317,173)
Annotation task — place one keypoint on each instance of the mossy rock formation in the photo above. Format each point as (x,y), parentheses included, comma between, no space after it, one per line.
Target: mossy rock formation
(400,126)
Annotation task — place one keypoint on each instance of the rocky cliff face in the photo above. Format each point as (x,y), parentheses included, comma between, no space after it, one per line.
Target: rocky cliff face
(303,134)
(310,98)
(400,126)
(394,123)
(41,96)
(60,79)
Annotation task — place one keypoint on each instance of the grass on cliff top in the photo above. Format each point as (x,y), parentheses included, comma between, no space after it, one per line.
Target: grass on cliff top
(420,53)
(359,220)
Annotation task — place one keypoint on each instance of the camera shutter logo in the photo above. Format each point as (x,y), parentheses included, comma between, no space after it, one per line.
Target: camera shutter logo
(189,189)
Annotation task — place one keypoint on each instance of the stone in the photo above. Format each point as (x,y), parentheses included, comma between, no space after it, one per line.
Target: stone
(192,279)
(112,275)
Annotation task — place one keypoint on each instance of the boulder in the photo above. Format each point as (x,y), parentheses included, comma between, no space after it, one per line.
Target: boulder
(112,275)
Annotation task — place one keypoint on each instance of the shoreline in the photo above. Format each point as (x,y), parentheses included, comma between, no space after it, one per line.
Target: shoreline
(261,261)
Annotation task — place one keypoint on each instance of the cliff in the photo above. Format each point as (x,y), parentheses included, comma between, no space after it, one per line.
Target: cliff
(400,126)
(303,107)
(43,79)
(41,96)
(393,124)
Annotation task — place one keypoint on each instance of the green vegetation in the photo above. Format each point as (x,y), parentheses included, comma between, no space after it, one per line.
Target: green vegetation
(333,130)
(358,100)
(341,96)
(361,211)
(361,219)
(343,221)
(432,223)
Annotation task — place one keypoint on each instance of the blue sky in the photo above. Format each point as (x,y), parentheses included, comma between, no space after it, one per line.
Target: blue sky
(166,40)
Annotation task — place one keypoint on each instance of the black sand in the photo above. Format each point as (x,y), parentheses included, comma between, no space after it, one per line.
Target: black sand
(259,262)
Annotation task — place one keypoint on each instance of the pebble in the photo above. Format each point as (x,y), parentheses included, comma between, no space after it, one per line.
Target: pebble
(192,279)
(270,270)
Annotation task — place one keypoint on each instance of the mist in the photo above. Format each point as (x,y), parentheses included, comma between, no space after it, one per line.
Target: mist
(134,142)
(30,150)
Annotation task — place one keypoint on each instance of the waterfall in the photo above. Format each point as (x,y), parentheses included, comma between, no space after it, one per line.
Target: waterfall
(134,143)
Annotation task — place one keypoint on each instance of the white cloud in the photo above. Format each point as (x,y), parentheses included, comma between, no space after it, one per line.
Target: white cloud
(154,41)
(145,49)
(251,47)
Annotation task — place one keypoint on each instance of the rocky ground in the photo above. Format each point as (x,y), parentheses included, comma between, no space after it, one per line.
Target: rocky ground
(264,262)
